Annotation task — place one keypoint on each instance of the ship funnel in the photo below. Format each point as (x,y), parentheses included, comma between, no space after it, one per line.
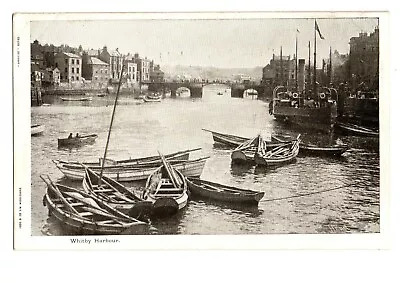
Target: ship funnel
(301,75)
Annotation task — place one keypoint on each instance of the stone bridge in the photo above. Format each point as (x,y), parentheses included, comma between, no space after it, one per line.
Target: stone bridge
(196,88)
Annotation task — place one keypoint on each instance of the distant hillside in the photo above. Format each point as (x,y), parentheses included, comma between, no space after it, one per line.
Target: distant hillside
(210,73)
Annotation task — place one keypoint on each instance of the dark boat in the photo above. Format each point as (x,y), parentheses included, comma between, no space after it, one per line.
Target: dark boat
(318,114)
(278,155)
(305,149)
(166,188)
(218,192)
(235,141)
(82,213)
(356,130)
(77,140)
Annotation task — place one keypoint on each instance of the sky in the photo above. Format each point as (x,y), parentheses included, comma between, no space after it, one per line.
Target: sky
(224,43)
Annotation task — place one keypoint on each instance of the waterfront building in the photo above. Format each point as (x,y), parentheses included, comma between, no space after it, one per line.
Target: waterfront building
(156,75)
(280,70)
(114,59)
(97,71)
(51,77)
(131,69)
(364,59)
(37,58)
(70,66)
(143,67)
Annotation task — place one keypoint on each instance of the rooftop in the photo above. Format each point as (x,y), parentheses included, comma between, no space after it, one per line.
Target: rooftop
(96,61)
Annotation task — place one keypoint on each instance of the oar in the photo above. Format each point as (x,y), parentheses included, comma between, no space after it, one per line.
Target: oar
(169,171)
(53,186)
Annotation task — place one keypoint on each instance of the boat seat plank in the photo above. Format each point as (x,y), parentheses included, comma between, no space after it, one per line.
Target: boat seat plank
(86,213)
(106,222)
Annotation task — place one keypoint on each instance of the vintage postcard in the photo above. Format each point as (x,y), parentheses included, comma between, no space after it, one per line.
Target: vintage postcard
(156,131)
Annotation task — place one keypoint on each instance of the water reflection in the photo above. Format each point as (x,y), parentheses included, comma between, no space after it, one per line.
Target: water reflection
(141,129)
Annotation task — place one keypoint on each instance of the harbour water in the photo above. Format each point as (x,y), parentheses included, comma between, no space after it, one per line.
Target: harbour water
(140,129)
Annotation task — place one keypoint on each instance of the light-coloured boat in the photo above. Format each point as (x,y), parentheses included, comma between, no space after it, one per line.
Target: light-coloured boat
(37,129)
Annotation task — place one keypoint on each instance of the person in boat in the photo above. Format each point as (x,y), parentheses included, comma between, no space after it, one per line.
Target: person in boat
(70,136)
(271,107)
(77,135)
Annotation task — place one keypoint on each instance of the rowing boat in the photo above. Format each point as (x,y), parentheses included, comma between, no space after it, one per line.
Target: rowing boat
(82,213)
(278,155)
(277,140)
(37,129)
(113,193)
(219,192)
(152,98)
(235,141)
(77,141)
(353,129)
(149,160)
(166,188)
(244,153)
(127,173)
(76,98)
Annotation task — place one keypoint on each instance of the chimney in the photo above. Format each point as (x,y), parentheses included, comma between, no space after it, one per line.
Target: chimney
(301,75)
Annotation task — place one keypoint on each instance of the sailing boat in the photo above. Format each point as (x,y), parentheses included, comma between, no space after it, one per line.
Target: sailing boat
(306,107)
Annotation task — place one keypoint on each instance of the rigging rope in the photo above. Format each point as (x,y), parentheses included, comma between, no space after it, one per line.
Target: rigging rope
(313,193)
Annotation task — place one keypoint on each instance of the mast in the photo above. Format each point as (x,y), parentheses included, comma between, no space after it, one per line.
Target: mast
(281,61)
(309,68)
(296,66)
(109,130)
(315,59)
(330,65)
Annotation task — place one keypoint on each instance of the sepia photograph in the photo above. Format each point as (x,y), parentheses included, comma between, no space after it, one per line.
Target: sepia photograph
(198,124)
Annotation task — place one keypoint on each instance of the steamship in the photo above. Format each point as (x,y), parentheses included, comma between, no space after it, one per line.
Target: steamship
(313,107)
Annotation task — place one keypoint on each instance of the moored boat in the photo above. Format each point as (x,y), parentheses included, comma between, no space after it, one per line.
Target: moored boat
(77,140)
(113,193)
(82,213)
(353,129)
(166,188)
(335,150)
(122,173)
(152,98)
(37,129)
(149,160)
(234,141)
(218,192)
(76,98)
(277,156)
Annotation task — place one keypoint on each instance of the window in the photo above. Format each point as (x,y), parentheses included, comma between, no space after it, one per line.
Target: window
(77,70)
(72,61)
(77,61)
(72,78)
(56,65)
(77,78)
(101,71)
(66,70)
(72,70)
(66,61)
(60,77)
(96,71)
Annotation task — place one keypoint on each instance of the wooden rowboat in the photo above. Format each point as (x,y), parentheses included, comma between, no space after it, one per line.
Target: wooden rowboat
(77,141)
(218,192)
(37,129)
(356,130)
(244,153)
(235,141)
(76,98)
(152,98)
(305,149)
(83,214)
(127,173)
(149,160)
(277,156)
(166,188)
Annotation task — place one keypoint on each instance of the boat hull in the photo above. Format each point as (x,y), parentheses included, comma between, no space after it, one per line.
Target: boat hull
(217,192)
(37,130)
(348,129)
(320,119)
(191,168)
(77,141)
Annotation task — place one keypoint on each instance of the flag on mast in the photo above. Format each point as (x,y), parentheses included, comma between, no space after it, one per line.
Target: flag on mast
(317,29)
